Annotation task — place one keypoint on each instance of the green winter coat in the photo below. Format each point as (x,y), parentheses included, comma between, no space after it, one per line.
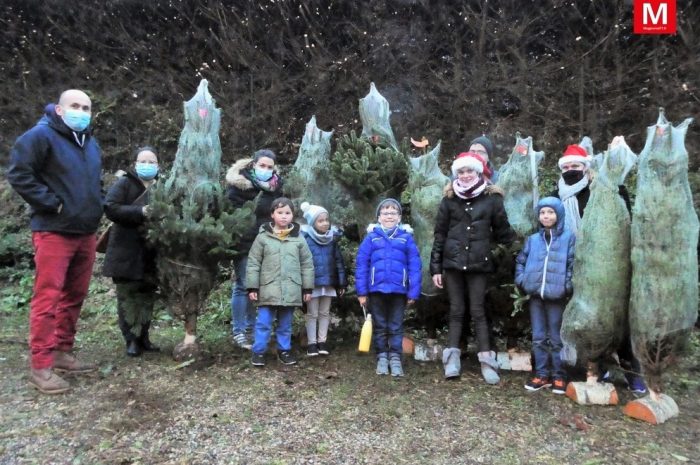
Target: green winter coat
(278,269)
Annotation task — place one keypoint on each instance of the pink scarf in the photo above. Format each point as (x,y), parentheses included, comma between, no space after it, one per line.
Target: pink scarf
(471,190)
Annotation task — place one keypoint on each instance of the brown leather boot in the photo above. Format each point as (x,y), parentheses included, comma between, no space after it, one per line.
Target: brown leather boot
(64,362)
(48,382)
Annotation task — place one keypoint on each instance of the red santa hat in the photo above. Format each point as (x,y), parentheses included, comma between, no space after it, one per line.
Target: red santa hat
(575,154)
(470,160)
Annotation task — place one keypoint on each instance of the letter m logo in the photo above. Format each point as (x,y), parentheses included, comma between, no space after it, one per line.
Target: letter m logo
(654,16)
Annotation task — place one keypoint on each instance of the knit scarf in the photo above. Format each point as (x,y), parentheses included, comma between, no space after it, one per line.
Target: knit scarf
(321,239)
(567,194)
(470,190)
(268,186)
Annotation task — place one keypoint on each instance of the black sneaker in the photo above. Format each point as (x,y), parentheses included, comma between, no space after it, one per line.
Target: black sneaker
(312,350)
(537,383)
(258,360)
(286,357)
(323,348)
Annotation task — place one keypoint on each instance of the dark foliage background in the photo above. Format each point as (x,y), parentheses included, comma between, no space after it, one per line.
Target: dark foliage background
(451,70)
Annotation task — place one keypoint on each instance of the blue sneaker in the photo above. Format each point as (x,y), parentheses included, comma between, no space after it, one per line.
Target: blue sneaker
(604,377)
(635,383)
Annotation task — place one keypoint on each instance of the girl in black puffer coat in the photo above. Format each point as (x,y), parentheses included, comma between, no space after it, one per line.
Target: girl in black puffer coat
(470,218)
(330,279)
(128,259)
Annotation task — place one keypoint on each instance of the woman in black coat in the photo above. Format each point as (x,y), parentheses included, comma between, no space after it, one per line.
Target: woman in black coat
(128,259)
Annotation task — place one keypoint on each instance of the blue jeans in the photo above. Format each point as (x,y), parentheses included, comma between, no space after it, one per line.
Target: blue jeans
(387,315)
(545,317)
(242,309)
(263,328)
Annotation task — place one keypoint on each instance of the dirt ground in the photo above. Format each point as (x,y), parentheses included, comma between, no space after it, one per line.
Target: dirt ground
(221,410)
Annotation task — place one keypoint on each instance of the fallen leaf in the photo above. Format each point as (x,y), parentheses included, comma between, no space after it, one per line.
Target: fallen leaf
(680,458)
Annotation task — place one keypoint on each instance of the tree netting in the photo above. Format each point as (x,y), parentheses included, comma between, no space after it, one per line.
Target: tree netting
(375,114)
(518,178)
(594,319)
(191,225)
(309,178)
(424,192)
(664,294)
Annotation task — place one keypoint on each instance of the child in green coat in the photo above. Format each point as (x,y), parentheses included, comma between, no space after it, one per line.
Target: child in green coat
(280,274)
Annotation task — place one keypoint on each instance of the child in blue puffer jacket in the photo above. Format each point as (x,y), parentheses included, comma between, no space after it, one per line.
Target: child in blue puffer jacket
(329,275)
(387,278)
(543,270)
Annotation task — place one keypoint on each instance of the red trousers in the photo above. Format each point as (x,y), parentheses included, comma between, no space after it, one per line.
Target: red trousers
(61,281)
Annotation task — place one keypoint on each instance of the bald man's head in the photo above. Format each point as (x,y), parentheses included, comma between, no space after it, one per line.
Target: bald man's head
(75,108)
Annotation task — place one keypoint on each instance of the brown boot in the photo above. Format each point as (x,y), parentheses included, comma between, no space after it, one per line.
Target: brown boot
(48,382)
(64,362)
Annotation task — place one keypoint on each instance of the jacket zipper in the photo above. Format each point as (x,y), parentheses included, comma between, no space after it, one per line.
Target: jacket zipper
(404,277)
(372,275)
(546,259)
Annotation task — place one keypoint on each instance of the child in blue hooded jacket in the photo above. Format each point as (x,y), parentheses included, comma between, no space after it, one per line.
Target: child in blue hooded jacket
(543,270)
(387,278)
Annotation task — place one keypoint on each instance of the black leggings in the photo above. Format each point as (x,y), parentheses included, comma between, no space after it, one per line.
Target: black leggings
(458,284)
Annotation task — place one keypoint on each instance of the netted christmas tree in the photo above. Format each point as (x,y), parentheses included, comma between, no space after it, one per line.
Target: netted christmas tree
(518,178)
(594,320)
(424,192)
(309,178)
(368,168)
(190,225)
(664,294)
(375,114)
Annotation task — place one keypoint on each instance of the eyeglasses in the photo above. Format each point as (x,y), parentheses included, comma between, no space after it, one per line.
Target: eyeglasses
(389,214)
(480,152)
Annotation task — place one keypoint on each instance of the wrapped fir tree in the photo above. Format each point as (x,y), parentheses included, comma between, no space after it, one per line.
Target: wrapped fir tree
(664,293)
(190,227)
(375,114)
(518,178)
(308,179)
(594,320)
(424,192)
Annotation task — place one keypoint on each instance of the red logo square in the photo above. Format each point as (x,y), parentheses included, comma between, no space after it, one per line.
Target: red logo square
(654,16)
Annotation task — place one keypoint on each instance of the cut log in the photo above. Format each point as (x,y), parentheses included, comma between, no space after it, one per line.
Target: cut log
(407,345)
(652,411)
(592,393)
(516,361)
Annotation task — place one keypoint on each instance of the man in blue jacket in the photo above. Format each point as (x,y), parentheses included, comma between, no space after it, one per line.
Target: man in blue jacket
(55,167)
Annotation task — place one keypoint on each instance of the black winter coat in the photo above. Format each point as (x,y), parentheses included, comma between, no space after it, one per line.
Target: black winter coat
(50,169)
(127,256)
(585,193)
(329,267)
(465,231)
(241,189)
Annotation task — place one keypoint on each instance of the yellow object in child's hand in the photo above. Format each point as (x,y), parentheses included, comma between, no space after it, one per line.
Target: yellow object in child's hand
(366,333)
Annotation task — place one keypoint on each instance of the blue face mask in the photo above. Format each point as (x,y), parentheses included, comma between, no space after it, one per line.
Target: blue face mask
(263,174)
(146,171)
(77,120)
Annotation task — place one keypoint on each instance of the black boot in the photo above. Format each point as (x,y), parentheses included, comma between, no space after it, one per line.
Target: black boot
(133,348)
(145,342)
